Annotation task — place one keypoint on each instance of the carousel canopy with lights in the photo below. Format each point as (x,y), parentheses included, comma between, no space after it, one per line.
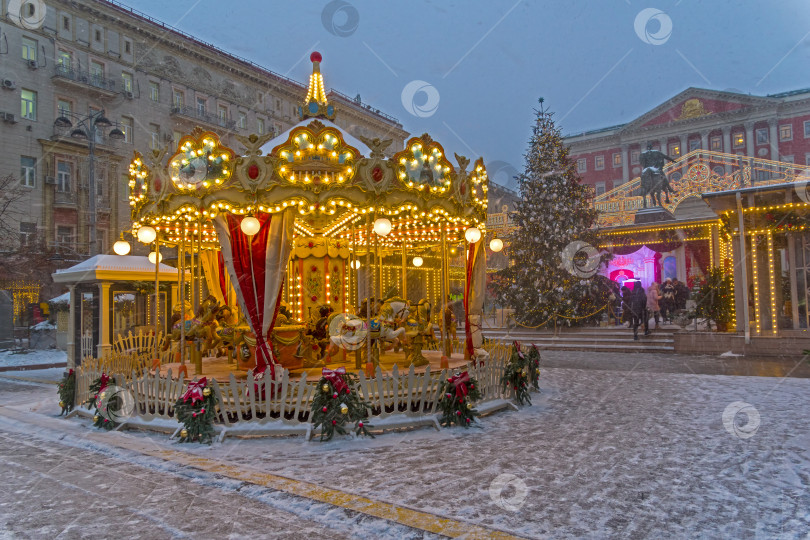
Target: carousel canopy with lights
(312,190)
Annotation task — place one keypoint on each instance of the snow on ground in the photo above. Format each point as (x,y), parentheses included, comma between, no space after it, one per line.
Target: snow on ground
(599,454)
(31,357)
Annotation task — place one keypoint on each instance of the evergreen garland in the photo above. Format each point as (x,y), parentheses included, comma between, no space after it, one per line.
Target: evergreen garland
(459,392)
(554,212)
(67,392)
(196,410)
(101,403)
(516,376)
(337,403)
(534,367)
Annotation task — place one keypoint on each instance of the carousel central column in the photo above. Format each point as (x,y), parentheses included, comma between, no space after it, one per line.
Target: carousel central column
(443,299)
(404,272)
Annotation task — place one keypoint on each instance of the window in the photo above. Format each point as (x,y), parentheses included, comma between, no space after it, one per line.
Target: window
(617,183)
(617,159)
(178,98)
(201,105)
(127,46)
(786,159)
(600,188)
(716,143)
(154,132)
(28,100)
(675,150)
(807,129)
(176,136)
(634,156)
(786,132)
(65,23)
(28,171)
(63,107)
(582,165)
(762,135)
(126,81)
(154,91)
(126,127)
(28,232)
(64,236)
(63,176)
(29,49)
(242,120)
(599,163)
(222,114)
(98,35)
(277,129)
(278,104)
(96,69)
(260,127)
(738,140)
(64,59)
(807,159)
(694,144)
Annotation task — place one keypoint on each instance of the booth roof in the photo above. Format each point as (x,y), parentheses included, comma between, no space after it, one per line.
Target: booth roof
(350,140)
(114,268)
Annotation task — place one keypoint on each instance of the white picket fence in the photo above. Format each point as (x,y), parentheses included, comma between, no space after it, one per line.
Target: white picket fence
(289,401)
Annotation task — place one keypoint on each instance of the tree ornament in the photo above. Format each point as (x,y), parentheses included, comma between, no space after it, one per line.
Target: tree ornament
(96,419)
(344,409)
(62,404)
(184,433)
(206,392)
(325,387)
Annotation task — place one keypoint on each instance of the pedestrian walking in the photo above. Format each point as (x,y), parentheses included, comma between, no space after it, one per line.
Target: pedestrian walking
(638,310)
(668,301)
(653,297)
(681,294)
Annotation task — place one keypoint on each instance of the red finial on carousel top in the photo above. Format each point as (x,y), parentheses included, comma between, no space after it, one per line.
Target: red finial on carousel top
(316,104)
(315,57)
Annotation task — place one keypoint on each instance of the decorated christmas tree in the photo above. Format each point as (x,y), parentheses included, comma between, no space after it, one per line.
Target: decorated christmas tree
(553,252)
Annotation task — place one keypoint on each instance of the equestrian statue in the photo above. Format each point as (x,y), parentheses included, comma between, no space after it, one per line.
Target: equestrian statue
(654,181)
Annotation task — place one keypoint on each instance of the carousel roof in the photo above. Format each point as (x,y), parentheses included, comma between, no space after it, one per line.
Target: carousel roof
(114,268)
(281,139)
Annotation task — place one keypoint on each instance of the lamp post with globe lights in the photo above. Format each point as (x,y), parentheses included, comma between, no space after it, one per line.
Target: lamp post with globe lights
(87,128)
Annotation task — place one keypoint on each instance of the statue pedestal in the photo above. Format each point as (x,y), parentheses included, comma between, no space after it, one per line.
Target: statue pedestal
(653,215)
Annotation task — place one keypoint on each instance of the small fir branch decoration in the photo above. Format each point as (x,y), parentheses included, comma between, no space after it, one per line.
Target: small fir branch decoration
(516,376)
(459,392)
(67,392)
(337,404)
(196,410)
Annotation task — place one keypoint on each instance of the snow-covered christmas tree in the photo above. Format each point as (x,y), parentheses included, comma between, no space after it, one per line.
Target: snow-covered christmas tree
(550,280)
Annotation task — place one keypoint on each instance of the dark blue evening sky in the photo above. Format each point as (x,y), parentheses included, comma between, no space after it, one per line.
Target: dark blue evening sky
(489,61)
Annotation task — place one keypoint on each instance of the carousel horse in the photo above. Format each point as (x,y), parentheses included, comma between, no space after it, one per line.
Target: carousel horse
(199,327)
(419,330)
(228,333)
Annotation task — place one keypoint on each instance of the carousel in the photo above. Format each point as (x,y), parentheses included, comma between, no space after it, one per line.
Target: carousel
(312,248)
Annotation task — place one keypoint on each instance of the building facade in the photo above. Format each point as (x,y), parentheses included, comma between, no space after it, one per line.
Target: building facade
(153,83)
(774,127)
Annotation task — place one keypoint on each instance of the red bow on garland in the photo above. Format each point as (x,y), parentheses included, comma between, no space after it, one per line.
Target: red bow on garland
(336,380)
(195,391)
(459,382)
(103,380)
(517,348)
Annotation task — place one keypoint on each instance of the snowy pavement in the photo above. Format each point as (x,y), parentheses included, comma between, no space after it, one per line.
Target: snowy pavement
(31,357)
(625,450)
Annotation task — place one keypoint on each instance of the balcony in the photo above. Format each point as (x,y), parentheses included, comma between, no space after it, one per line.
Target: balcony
(96,84)
(65,198)
(205,117)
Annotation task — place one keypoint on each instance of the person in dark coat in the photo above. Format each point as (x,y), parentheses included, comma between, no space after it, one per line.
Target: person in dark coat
(681,294)
(638,310)
(625,303)
(668,300)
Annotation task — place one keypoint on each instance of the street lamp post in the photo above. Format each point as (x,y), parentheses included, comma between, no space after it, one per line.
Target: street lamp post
(86,128)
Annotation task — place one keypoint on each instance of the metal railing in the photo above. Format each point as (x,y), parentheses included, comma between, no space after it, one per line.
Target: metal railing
(85,77)
(209,118)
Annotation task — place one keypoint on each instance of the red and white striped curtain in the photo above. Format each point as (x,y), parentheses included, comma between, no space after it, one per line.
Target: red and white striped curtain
(474,290)
(256,265)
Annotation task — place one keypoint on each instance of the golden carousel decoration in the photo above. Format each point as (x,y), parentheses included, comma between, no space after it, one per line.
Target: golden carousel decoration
(281,246)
